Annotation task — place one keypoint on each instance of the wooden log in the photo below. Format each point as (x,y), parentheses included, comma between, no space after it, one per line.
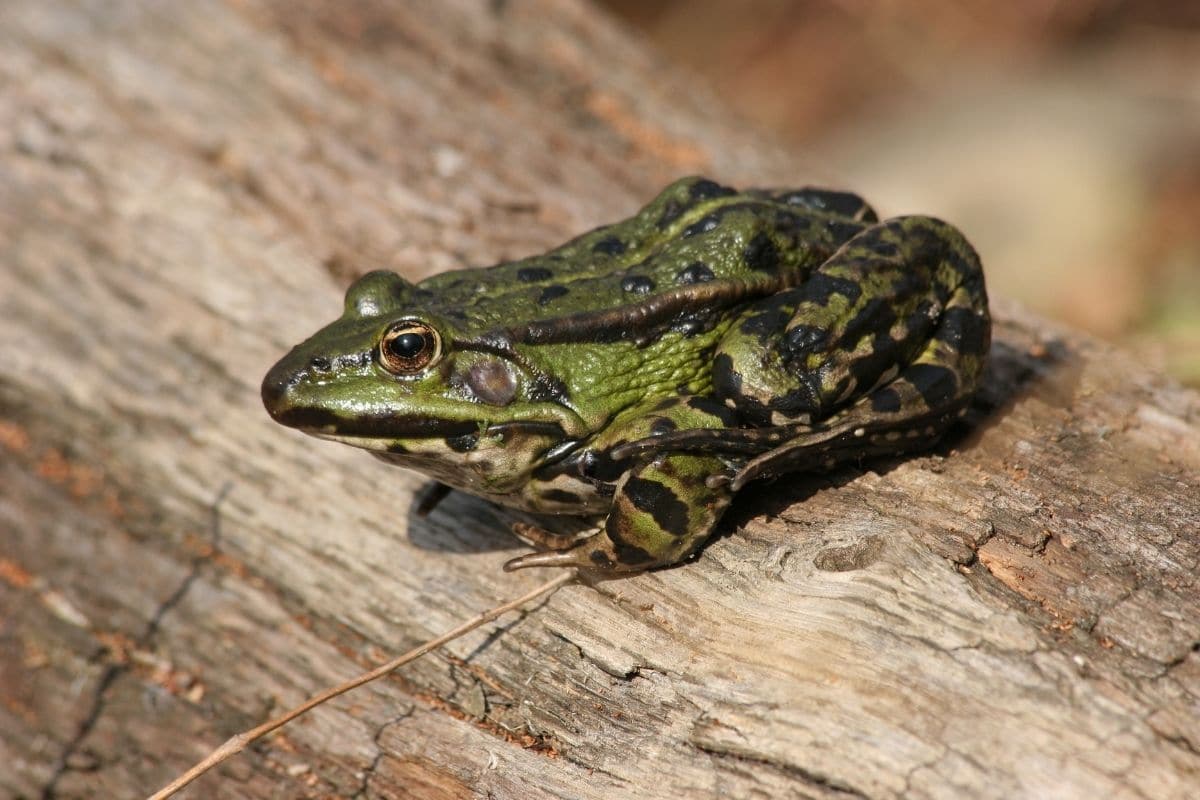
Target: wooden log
(185,190)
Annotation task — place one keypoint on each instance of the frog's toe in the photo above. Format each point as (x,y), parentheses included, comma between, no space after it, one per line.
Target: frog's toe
(540,537)
(560,558)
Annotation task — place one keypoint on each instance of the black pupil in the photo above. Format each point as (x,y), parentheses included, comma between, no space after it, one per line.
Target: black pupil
(407,345)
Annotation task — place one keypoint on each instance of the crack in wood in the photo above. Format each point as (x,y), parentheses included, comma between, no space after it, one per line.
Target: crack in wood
(810,777)
(380,752)
(144,640)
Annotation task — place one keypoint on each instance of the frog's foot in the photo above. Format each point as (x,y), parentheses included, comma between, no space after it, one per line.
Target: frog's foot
(560,549)
(596,552)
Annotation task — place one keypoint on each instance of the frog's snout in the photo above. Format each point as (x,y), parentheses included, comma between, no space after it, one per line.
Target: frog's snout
(295,393)
(277,388)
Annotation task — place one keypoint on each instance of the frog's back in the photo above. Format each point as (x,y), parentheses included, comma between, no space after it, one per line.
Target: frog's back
(696,241)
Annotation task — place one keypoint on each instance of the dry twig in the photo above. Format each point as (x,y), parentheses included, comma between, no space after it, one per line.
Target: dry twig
(238,743)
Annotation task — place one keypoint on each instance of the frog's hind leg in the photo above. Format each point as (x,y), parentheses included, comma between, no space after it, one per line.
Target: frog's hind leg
(908,414)
(861,318)
(886,346)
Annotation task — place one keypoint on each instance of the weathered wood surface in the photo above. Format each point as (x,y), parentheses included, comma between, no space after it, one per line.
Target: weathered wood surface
(185,189)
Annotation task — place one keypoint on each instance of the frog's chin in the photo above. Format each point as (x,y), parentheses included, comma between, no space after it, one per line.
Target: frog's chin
(381,445)
(363,442)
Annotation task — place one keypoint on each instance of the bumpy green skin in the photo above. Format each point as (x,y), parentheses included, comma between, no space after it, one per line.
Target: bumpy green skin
(647,370)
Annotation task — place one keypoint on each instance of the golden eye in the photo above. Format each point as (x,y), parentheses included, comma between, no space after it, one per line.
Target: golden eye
(409,347)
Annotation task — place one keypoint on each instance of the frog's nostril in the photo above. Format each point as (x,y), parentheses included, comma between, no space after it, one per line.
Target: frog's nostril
(320,364)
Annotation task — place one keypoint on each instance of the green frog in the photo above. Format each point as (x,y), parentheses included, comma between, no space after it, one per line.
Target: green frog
(644,372)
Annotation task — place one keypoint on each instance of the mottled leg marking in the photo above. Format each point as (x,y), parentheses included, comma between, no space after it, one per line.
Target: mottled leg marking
(913,409)
(663,507)
(863,316)
(907,422)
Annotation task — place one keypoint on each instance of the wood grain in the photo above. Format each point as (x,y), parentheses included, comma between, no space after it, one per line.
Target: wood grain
(186,189)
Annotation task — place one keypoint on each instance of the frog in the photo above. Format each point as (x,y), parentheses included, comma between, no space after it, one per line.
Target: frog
(643,373)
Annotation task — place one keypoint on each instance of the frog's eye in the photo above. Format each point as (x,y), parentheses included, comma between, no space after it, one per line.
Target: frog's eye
(409,347)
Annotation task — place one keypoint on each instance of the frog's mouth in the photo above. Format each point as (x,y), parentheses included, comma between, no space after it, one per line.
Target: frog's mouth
(327,424)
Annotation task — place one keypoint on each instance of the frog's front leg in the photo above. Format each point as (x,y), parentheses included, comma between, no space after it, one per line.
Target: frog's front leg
(662,511)
(663,507)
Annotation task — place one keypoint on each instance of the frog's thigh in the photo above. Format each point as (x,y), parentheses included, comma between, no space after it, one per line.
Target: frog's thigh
(908,413)
(864,316)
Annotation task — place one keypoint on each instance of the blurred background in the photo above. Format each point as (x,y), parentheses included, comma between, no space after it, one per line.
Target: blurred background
(1063,137)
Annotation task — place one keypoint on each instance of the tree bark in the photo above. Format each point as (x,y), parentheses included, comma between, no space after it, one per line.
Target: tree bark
(186,189)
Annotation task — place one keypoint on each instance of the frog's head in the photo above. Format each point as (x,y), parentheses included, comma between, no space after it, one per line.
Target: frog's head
(394,376)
